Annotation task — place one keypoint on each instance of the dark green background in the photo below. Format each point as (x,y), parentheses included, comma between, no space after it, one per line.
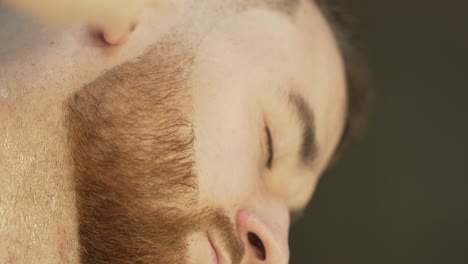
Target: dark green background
(400,195)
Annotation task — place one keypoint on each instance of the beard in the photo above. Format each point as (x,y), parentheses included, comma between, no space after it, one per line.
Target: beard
(131,141)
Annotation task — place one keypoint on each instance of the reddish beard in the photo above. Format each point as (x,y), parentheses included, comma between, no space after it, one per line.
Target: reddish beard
(131,141)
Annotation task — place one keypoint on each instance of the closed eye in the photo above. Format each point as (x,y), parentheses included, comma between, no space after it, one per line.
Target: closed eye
(269,162)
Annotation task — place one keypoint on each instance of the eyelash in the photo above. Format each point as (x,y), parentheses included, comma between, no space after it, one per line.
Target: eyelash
(270,149)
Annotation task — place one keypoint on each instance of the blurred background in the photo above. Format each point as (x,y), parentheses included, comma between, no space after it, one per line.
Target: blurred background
(400,195)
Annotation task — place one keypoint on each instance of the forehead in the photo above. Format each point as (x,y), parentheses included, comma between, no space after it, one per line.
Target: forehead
(254,56)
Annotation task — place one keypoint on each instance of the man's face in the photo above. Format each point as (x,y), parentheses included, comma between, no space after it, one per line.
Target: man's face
(198,151)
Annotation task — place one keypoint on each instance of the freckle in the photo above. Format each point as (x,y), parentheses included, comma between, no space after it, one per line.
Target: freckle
(51,123)
(52,43)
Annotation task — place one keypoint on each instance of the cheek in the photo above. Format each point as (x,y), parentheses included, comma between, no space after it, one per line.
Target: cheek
(226,145)
(227,124)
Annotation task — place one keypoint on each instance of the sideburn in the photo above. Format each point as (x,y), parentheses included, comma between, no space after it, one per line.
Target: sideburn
(131,140)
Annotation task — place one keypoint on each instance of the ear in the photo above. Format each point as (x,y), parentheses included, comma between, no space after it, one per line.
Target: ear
(117,34)
(115,19)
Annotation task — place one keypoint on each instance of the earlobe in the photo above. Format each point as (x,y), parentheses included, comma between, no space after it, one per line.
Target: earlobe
(112,19)
(117,37)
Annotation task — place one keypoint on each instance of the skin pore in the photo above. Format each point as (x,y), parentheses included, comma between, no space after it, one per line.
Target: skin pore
(164,138)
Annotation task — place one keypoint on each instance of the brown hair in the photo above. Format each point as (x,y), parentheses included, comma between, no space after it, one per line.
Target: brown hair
(131,140)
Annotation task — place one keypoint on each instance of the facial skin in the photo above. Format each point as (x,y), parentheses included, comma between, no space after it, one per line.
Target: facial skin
(170,150)
(252,65)
(132,139)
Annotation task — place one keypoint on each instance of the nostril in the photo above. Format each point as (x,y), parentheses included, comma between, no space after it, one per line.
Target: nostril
(258,245)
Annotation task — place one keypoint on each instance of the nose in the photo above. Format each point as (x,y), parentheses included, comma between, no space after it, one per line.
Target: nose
(264,234)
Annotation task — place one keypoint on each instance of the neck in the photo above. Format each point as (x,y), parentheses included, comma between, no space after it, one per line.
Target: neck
(40,66)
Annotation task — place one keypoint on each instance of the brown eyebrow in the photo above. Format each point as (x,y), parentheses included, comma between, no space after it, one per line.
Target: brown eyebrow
(309,147)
